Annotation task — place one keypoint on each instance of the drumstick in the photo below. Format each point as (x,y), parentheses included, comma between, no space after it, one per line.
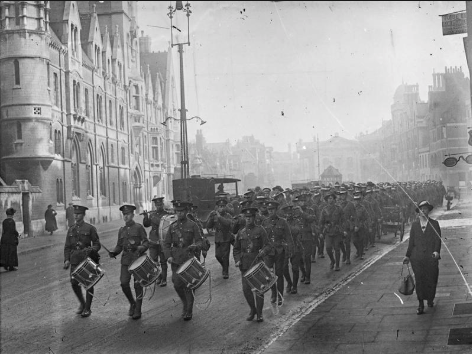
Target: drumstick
(106,249)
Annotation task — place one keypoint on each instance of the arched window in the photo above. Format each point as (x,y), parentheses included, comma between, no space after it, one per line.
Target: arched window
(122,119)
(87,103)
(75,170)
(110,112)
(114,193)
(89,168)
(61,190)
(123,156)
(58,191)
(19,131)
(125,192)
(101,172)
(56,90)
(112,154)
(16,65)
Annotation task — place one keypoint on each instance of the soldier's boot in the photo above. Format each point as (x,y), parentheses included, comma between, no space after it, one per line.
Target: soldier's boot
(302,269)
(259,307)
(343,250)
(78,292)
(139,302)
(331,257)
(288,279)
(190,299)
(252,314)
(129,295)
(88,303)
(164,276)
(337,254)
(273,298)
(183,298)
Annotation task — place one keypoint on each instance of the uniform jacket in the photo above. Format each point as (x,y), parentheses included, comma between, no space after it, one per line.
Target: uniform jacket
(80,240)
(249,241)
(295,225)
(332,220)
(361,218)
(153,219)
(349,213)
(180,236)
(130,237)
(278,233)
(222,226)
(305,220)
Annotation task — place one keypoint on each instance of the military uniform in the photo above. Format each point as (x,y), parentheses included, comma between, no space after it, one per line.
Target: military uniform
(82,241)
(132,243)
(182,240)
(249,243)
(222,223)
(156,253)
(349,212)
(332,226)
(280,237)
(295,254)
(360,222)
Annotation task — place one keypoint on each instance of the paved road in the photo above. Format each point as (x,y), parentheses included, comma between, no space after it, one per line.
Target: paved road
(38,308)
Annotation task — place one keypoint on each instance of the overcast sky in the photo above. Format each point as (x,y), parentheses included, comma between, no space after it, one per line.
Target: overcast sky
(284,71)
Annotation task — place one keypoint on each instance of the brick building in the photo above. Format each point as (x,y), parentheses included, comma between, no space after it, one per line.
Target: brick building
(79,113)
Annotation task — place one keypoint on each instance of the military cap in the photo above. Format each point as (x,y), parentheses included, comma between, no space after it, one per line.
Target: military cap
(157,199)
(299,198)
(181,205)
(325,189)
(10,211)
(357,197)
(222,195)
(249,211)
(127,208)
(368,191)
(248,193)
(261,199)
(342,191)
(79,209)
(287,190)
(266,189)
(221,202)
(424,203)
(278,195)
(287,208)
(245,204)
(330,195)
(71,203)
(272,204)
(278,188)
(316,194)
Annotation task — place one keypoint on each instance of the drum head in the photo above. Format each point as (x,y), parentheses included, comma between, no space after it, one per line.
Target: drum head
(138,262)
(254,268)
(185,265)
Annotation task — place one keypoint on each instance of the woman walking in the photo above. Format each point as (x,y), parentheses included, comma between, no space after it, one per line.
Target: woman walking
(424,253)
(9,242)
(50,216)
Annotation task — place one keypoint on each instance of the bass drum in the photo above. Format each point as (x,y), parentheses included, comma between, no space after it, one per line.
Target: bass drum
(164,224)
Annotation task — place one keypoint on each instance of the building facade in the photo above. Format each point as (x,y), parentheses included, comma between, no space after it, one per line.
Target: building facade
(79,114)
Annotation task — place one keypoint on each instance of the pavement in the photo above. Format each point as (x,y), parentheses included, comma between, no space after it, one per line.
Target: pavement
(367,314)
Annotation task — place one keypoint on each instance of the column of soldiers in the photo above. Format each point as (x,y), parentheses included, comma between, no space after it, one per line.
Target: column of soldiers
(286,229)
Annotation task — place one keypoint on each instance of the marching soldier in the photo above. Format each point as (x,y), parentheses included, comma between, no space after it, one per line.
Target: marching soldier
(156,253)
(349,213)
(360,222)
(133,242)
(182,240)
(280,237)
(294,255)
(333,229)
(251,245)
(221,221)
(81,242)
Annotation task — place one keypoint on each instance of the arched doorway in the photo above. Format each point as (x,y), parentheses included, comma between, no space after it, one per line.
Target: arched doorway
(137,190)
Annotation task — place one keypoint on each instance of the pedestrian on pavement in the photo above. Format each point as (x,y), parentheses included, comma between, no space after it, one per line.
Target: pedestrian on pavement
(182,240)
(133,242)
(70,218)
(9,242)
(423,252)
(81,242)
(50,216)
(156,240)
(250,246)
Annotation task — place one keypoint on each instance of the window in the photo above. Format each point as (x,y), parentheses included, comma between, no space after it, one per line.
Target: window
(17,13)
(112,153)
(89,168)
(49,75)
(155,149)
(58,191)
(75,171)
(99,108)
(87,103)
(122,119)
(77,95)
(16,65)
(19,132)
(123,156)
(74,95)
(114,193)
(56,90)
(57,142)
(101,177)
(124,187)
(110,110)
(136,98)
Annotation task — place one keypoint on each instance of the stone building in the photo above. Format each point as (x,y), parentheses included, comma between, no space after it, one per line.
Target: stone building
(78,111)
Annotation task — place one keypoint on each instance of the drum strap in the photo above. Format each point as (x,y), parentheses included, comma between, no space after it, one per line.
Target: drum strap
(208,301)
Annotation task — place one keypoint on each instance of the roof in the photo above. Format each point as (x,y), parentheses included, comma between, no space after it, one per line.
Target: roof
(330,171)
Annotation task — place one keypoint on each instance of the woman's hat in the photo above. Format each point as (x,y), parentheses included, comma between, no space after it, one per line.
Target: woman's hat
(10,211)
(422,204)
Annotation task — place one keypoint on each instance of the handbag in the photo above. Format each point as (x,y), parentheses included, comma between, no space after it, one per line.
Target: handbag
(407,285)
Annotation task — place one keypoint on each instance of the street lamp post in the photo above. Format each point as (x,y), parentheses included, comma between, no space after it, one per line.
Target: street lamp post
(184,173)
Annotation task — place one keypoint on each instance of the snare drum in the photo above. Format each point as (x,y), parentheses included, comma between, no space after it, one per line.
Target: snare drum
(260,278)
(144,270)
(193,273)
(87,273)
